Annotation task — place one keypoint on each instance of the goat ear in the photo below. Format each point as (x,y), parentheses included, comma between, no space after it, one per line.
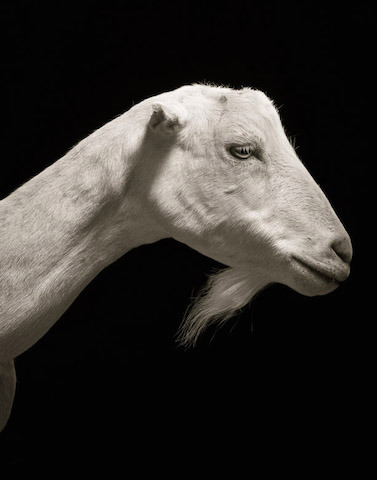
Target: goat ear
(167,119)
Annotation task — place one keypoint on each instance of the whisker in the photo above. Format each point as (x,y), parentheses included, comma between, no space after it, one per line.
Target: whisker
(292,141)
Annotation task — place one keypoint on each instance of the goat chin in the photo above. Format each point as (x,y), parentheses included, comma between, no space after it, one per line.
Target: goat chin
(225,293)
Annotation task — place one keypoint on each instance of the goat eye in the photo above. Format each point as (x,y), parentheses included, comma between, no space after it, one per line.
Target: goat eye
(241,152)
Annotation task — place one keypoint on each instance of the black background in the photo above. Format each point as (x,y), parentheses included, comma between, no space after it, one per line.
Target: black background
(108,386)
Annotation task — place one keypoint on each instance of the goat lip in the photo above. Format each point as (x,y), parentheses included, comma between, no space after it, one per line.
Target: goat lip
(333,275)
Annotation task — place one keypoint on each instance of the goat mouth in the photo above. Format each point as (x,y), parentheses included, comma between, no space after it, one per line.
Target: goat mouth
(321,273)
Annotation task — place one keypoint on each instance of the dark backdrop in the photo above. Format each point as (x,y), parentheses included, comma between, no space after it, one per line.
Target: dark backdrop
(108,378)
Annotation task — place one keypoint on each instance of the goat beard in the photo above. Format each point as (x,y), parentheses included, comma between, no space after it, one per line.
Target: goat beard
(224,295)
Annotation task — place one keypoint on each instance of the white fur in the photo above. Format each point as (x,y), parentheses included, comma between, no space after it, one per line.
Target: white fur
(164,169)
(225,293)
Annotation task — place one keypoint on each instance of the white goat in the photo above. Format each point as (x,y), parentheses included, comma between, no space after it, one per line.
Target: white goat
(210,167)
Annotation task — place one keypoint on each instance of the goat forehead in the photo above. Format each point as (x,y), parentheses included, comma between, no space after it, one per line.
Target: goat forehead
(252,103)
(199,92)
(226,110)
(247,104)
(207,99)
(251,116)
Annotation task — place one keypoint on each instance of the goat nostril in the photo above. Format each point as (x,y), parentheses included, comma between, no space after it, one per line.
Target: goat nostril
(343,248)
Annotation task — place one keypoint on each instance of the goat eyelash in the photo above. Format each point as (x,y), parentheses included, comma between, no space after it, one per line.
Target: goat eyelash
(242,152)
